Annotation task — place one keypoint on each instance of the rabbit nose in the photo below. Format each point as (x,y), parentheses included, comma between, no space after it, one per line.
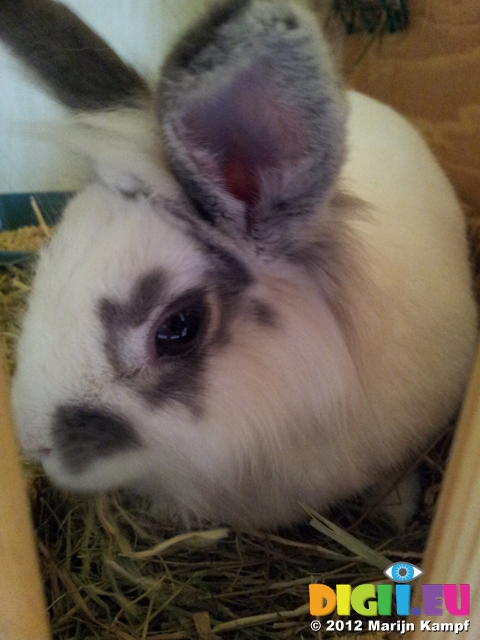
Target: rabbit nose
(82,434)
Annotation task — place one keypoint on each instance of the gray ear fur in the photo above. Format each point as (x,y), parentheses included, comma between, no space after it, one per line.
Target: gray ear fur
(75,64)
(253,115)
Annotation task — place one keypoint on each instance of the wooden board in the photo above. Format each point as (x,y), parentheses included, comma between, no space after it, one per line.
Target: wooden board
(431,73)
(22,605)
(453,550)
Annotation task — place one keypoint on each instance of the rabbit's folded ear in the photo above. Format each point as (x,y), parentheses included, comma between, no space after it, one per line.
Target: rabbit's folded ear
(253,115)
(73,62)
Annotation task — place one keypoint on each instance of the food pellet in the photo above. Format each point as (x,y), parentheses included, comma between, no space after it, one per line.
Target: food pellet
(28,238)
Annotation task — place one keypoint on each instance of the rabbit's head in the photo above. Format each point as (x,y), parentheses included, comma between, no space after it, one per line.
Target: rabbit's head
(192,330)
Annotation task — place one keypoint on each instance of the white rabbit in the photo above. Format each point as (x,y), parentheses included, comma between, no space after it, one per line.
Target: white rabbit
(265,297)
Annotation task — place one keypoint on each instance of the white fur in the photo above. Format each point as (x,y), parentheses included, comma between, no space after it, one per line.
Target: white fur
(304,411)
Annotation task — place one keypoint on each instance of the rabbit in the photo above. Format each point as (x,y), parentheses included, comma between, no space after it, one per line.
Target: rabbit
(262,300)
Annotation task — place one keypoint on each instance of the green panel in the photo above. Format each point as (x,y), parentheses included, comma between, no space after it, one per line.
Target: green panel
(16,211)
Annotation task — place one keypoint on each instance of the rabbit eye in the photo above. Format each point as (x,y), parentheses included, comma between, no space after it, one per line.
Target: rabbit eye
(180,331)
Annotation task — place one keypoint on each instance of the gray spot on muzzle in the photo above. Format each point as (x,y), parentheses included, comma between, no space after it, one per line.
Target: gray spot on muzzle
(82,434)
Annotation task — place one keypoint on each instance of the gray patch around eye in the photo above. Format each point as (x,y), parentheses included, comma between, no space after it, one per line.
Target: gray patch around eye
(179,382)
(264,314)
(118,317)
(173,380)
(146,295)
(229,277)
(179,379)
(83,434)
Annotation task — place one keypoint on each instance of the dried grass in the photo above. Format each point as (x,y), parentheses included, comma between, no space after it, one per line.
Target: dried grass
(111,571)
(24,239)
(14,288)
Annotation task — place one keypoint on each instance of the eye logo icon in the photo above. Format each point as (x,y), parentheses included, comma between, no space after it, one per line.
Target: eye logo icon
(379,600)
(402,572)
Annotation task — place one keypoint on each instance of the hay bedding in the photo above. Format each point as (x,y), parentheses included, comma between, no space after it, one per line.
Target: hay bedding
(112,572)
(26,238)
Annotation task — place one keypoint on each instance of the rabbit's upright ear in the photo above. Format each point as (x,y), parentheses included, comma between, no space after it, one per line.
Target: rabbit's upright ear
(253,114)
(73,62)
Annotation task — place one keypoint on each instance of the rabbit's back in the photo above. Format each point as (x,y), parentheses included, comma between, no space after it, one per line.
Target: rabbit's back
(420,317)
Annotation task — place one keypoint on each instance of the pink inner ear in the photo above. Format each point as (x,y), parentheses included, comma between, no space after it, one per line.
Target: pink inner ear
(240,178)
(243,132)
